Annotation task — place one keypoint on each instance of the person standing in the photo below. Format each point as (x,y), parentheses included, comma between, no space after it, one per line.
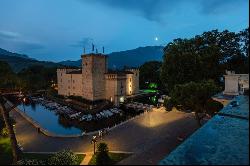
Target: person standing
(99,133)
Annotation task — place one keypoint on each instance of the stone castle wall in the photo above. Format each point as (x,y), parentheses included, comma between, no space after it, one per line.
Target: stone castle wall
(94,82)
(69,84)
(94,67)
(132,82)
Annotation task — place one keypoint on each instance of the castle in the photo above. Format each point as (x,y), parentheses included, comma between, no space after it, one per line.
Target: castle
(94,82)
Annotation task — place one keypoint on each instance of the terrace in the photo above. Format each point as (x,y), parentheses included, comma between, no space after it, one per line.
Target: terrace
(228,142)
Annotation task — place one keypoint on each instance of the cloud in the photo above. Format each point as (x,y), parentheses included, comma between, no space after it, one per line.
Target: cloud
(153,10)
(84,42)
(220,6)
(149,9)
(8,35)
(16,40)
(29,45)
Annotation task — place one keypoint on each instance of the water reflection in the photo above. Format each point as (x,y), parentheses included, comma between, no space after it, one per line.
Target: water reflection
(49,120)
(33,106)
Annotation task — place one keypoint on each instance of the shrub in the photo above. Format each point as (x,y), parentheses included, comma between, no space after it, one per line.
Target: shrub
(64,157)
(212,107)
(102,157)
(4,132)
(168,104)
(30,162)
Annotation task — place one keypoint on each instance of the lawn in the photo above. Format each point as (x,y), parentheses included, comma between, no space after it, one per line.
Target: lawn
(115,158)
(6,156)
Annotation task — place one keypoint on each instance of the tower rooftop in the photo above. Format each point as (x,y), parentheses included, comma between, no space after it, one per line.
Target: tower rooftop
(94,54)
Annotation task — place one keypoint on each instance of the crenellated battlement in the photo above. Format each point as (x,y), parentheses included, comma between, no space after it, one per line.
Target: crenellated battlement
(66,70)
(95,82)
(94,55)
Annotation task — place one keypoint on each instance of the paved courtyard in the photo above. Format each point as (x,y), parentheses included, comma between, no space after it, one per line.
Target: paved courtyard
(149,136)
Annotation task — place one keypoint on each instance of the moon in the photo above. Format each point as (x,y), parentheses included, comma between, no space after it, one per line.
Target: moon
(156,38)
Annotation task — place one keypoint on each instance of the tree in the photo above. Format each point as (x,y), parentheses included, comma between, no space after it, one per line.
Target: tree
(150,73)
(240,63)
(212,107)
(204,57)
(7,77)
(9,126)
(64,157)
(102,156)
(193,96)
(38,77)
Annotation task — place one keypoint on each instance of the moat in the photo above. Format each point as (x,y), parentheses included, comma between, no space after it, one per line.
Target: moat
(48,120)
(63,120)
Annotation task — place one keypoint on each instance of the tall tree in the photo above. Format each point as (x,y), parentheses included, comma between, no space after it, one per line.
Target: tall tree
(204,57)
(9,126)
(193,96)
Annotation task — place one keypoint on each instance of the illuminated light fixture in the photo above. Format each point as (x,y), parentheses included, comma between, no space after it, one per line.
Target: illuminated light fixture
(121,99)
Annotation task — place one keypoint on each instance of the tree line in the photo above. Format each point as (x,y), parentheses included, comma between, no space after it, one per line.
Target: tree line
(30,79)
(204,57)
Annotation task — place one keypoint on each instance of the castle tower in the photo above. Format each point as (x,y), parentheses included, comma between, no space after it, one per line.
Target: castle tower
(132,81)
(94,66)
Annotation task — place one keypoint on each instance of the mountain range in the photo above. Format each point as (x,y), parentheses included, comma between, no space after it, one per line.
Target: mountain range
(117,60)
(131,58)
(19,61)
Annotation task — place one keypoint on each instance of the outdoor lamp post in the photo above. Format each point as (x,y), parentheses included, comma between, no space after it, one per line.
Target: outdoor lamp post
(24,99)
(94,140)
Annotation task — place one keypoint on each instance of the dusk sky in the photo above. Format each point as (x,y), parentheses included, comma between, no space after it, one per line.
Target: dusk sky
(57,30)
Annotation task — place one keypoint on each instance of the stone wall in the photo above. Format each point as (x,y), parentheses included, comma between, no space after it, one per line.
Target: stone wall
(69,84)
(236,83)
(115,87)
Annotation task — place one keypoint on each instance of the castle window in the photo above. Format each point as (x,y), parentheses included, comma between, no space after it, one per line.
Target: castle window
(130,85)
(130,92)
(130,79)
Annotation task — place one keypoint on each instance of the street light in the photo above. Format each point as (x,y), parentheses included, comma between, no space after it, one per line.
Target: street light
(24,99)
(94,140)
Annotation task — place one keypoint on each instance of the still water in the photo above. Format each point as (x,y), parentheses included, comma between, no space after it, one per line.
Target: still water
(48,120)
